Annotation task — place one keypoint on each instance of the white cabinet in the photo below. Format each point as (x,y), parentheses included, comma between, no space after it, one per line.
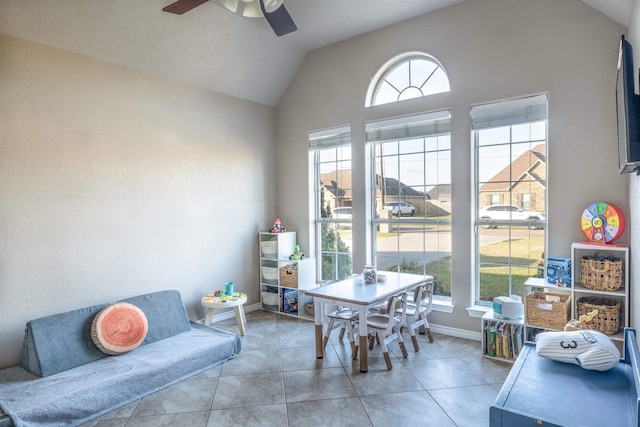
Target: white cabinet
(578,291)
(282,281)
(621,295)
(501,339)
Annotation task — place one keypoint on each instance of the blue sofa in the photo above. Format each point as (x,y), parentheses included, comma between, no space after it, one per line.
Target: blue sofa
(63,379)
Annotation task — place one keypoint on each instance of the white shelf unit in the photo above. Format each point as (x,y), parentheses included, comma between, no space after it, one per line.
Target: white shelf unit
(578,250)
(284,296)
(501,339)
(578,290)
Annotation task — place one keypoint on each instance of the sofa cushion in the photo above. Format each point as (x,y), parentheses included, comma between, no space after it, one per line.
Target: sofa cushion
(165,313)
(118,328)
(60,342)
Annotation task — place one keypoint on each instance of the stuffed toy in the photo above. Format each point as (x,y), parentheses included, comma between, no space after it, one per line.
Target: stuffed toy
(589,349)
(581,323)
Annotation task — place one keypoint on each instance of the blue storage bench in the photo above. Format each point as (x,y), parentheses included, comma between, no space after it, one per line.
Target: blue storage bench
(545,392)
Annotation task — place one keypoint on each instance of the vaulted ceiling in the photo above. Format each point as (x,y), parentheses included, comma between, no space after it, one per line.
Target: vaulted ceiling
(210,46)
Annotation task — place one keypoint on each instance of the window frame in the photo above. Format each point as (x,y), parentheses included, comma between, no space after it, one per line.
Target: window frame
(502,117)
(414,127)
(338,139)
(392,66)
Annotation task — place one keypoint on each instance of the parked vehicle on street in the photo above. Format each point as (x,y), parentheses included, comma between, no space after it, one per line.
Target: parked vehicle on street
(509,213)
(342,214)
(400,208)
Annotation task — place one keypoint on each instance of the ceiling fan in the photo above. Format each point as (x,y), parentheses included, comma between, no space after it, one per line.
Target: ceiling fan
(273,10)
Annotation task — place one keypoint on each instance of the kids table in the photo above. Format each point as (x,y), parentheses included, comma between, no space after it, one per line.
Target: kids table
(237,300)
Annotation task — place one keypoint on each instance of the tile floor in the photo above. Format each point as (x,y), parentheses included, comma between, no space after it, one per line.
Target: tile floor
(276,380)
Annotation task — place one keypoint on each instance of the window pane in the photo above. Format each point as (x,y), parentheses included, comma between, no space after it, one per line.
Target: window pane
(421,70)
(409,93)
(333,199)
(439,82)
(399,76)
(508,256)
(413,206)
(411,76)
(385,94)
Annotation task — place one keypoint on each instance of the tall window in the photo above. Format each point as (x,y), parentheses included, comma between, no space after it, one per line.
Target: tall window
(410,75)
(411,164)
(510,144)
(331,155)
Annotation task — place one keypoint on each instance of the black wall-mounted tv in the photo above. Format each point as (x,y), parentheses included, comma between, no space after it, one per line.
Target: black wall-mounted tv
(627,109)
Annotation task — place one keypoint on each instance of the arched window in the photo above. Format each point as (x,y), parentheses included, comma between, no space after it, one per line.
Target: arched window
(410,75)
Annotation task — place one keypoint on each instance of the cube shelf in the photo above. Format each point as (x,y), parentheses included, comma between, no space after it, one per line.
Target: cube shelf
(283,281)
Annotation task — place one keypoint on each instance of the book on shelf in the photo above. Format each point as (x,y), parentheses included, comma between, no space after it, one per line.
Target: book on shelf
(492,340)
(503,339)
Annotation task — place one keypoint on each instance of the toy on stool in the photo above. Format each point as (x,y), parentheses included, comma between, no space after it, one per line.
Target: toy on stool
(581,323)
(277,226)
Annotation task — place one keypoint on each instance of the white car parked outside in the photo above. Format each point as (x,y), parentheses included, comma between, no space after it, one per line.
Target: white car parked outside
(400,208)
(509,213)
(342,214)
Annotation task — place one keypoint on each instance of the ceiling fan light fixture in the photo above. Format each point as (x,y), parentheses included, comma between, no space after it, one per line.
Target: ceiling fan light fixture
(231,5)
(271,5)
(252,9)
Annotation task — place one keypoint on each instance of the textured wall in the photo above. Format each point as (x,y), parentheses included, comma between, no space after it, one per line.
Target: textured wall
(115,182)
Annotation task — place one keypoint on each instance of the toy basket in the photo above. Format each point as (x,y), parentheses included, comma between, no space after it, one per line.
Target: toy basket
(270,274)
(547,310)
(289,277)
(601,273)
(270,298)
(269,248)
(309,308)
(607,320)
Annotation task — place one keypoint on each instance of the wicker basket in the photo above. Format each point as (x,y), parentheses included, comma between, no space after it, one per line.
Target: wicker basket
(289,277)
(608,319)
(601,273)
(548,310)
(308,307)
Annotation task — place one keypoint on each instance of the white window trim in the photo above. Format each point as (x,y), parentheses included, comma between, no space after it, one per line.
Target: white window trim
(375,80)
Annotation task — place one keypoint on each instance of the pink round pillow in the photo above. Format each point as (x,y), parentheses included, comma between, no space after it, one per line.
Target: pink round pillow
(119,328)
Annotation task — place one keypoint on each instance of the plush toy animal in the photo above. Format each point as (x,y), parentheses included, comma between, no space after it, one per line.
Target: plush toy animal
(581,323)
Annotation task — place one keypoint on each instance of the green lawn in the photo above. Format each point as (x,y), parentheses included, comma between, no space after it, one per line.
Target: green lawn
(526,256)
(497,277)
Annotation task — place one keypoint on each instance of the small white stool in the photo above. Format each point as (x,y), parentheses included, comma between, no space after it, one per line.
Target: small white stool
(236,301)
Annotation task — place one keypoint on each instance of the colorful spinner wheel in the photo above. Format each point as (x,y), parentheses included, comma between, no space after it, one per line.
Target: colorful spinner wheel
(602,222)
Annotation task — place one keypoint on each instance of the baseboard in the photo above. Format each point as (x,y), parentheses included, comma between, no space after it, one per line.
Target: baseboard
(438,329)
(455,332)
(230,314)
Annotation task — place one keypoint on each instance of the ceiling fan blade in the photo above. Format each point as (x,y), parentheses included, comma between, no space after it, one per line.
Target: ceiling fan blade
(183,6)
(279,19)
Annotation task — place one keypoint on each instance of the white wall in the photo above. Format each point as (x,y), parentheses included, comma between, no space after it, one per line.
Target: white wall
(633,35)
(491,49)
(115,182)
